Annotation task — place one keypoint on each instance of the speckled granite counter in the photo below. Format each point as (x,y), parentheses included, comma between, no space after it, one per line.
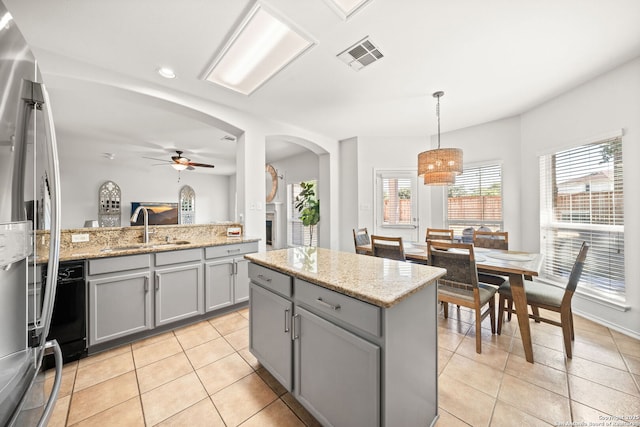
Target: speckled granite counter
(379,281)
(118,241)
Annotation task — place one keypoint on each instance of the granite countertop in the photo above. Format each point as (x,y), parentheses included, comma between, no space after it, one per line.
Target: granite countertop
(101,251)
(379,281)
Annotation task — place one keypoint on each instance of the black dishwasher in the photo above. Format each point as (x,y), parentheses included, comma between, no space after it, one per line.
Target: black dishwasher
(68,320)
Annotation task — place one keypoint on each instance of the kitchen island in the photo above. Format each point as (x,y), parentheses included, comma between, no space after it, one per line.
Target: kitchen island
(352,337)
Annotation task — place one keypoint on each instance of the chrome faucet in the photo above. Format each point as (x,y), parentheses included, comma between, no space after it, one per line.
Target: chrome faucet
(134,218)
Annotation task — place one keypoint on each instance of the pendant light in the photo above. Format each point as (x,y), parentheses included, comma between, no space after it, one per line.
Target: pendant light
(442,165)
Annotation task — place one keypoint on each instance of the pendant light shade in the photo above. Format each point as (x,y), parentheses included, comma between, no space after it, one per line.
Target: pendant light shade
(442,165)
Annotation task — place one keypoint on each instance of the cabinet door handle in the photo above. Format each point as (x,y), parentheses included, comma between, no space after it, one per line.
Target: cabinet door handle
(157,282)
(327,305)
(295,334)
(235,268)
(286,321)
(266,279)
(146,283)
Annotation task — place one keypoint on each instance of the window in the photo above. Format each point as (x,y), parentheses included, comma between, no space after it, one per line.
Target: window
(297,233)
(475,199)
(581,199)
(396,201)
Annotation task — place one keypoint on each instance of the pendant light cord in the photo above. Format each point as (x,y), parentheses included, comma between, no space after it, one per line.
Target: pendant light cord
(438,95)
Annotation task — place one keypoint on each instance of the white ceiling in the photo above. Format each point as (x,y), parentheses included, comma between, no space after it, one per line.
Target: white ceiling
(493,59)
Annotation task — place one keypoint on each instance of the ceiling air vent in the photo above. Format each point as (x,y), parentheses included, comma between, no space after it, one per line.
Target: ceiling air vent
(360,54)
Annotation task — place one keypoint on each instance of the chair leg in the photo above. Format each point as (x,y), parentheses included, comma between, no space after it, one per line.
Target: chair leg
(573,335)
(501,302)
(565,320)
(478,330)
(492,314)
(510,302)
(536,313)
(445,307)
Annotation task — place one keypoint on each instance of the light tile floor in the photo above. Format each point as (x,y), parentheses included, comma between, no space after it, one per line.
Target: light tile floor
(204,375)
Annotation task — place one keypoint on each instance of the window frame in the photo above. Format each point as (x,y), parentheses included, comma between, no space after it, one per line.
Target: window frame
(605,260)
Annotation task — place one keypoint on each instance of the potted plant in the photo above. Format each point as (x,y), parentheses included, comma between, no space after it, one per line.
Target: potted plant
(309,207)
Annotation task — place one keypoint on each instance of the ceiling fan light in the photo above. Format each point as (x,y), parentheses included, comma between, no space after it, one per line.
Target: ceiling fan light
(179,166)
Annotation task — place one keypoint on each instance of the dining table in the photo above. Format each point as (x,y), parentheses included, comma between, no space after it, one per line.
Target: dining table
(516,265)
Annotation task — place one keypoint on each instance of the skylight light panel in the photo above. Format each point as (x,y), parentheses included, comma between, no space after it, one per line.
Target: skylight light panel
(262,45)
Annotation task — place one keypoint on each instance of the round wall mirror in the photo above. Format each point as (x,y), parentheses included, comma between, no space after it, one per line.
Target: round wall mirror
(272,182)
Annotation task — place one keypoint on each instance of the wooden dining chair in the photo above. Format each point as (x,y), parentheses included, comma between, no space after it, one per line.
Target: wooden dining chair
(460,285)
(387,247)
(361,238)
(491,239)
(439,234)
(549,297)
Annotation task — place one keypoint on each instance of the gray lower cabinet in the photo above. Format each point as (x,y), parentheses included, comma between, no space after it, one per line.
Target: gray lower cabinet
(227,275)
(133,293)
(179,293)
(120,297)
(270,340)
(119,305)
(329,358)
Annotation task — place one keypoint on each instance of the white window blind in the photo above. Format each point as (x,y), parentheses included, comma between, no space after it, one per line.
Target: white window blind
(397,194)
(475,199)
(581,199)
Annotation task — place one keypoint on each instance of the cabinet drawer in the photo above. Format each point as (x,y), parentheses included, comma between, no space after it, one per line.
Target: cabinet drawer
(360,314)
(230,250)
(273,280)
(121,263)
(176,257)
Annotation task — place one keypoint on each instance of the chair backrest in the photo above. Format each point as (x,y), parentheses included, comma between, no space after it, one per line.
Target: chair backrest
(491,239)
(387,247)
(459,261)
(439,234)
(467,235)
(361,238)
(576,271)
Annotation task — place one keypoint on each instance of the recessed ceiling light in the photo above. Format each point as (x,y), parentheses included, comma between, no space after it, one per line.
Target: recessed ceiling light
(346,8)
(167,73)
(260,47)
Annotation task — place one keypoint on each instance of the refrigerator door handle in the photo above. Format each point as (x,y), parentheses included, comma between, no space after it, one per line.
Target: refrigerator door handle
(48,409)
(41,101)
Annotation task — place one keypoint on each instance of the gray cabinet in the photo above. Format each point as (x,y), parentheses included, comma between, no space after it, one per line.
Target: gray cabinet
(135,293)
(179,285)
(337,373)
(270,338)
(227,275)
(179,293)
(119,305)
(120,297)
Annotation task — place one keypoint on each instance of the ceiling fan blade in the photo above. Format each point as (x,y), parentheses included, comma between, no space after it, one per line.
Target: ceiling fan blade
(190,168)
(201,165)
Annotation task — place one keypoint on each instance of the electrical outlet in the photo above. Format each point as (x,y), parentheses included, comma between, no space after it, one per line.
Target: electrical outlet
(77,238)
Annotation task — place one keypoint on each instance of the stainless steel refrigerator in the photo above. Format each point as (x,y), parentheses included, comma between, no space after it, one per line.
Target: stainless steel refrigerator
(29,210)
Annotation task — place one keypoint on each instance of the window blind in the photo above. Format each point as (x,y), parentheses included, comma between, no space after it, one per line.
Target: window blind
(581,199)
(475,199)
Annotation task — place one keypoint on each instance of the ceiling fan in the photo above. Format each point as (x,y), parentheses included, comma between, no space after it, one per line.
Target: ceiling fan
(181,163)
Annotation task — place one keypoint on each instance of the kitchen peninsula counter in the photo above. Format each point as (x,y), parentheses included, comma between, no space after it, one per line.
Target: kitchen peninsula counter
(352,337)
(107,242)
